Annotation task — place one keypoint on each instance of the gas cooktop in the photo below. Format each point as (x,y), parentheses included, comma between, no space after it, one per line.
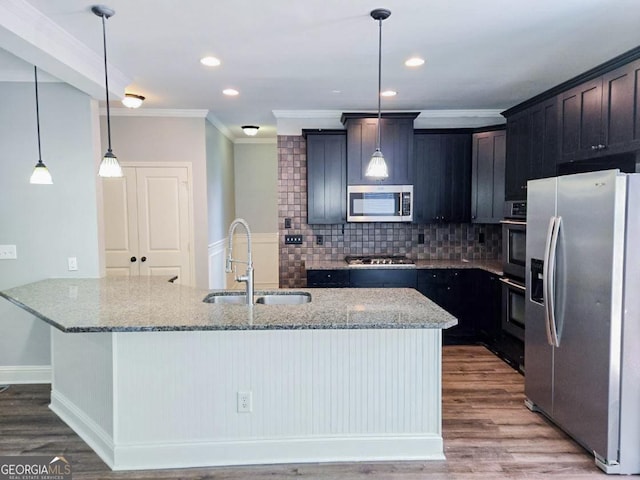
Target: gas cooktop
(379,261)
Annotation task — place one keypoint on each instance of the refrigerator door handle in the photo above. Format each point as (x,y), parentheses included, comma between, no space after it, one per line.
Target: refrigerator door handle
(545,279)
(553,325)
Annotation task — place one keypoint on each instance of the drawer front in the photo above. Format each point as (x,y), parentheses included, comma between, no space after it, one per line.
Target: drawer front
(439,276)
(328,278)
(383,278)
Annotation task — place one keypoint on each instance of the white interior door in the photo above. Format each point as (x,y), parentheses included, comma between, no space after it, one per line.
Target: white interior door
(147,222)
(121,224)
(163,220)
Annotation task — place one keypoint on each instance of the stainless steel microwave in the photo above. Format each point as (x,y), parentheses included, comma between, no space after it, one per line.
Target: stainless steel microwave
(380,203)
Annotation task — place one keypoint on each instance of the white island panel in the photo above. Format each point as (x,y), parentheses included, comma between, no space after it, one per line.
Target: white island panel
(317,395)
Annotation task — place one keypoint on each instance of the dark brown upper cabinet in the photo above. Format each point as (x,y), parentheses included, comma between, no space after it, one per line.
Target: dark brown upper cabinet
(600,117)
(326,176)
(396,144)
(488,176)
(442,181)
(532,148)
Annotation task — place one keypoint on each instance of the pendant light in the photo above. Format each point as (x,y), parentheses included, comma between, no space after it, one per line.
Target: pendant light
(40,175)
(377,168)
(109,167)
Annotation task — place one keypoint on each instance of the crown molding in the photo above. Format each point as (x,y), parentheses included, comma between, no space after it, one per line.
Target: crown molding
(155,112)
(222,128)
(30,35)
(307,113)
(256,141)
(461,113)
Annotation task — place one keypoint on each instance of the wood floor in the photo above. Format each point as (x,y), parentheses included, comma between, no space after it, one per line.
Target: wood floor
(488,434)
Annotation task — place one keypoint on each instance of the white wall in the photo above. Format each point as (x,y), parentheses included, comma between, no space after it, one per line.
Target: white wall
(256,198)
(220,183)
(221,201)
(47,223)
(168,139)
(256,185)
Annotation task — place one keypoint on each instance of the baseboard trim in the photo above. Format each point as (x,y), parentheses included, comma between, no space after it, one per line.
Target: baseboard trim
(360,448)
(27,374)
(99,440)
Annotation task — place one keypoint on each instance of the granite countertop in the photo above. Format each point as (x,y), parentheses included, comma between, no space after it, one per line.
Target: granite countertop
(130,304)
(492,266)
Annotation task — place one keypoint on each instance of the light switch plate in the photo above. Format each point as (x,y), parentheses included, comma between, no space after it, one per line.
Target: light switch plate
(8,252)
(73,264)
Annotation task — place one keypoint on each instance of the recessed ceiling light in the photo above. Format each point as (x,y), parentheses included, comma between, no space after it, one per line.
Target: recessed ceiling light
(231,92)
(210,61)
(414,62)
(336,91)
(388,93)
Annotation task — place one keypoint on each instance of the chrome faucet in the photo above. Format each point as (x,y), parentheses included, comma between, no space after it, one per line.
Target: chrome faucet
(248,276)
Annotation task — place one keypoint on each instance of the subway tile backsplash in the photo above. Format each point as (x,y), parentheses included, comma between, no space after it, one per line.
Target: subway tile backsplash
(441,242)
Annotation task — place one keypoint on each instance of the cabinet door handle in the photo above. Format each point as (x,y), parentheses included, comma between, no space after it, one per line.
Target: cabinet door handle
(601,147)
(133,259)
(143,259)
(594,147)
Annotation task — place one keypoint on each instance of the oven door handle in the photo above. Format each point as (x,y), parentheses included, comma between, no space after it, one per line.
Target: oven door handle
(514,222)
(515,285)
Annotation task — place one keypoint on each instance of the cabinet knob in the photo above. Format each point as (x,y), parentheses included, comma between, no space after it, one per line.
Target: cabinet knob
(143,259)
(133,259)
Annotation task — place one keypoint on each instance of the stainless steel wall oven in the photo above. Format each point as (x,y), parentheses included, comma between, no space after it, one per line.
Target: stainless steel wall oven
(514,256)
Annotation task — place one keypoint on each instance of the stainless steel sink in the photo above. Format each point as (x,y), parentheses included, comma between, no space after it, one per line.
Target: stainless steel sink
(226,298)
(272,298)
(284,298)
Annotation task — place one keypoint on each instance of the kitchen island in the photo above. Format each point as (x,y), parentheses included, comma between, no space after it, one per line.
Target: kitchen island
(150,376)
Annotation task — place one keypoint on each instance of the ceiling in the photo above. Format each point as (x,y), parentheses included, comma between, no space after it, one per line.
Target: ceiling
(306,57)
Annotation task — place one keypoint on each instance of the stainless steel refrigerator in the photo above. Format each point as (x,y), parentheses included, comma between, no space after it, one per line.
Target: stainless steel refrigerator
(582,337)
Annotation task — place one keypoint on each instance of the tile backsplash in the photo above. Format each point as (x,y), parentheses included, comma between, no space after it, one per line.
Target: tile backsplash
(445,241)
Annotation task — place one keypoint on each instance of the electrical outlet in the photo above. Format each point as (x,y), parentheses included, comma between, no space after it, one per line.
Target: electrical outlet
(293,239)
(287,223)
(481,238)
(421,238)
(73,264)
(244,402)
(8,252)
(319,239)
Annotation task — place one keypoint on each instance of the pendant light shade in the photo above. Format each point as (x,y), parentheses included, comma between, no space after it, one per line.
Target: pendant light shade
(109,167)
(40,175)
(377,168)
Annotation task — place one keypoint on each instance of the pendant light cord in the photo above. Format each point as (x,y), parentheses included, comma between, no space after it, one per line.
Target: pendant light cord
(35,74)
(106,81)
(379,79)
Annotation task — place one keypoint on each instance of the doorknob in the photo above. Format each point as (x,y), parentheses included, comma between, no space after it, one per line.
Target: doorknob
(143,259)
(133,259)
